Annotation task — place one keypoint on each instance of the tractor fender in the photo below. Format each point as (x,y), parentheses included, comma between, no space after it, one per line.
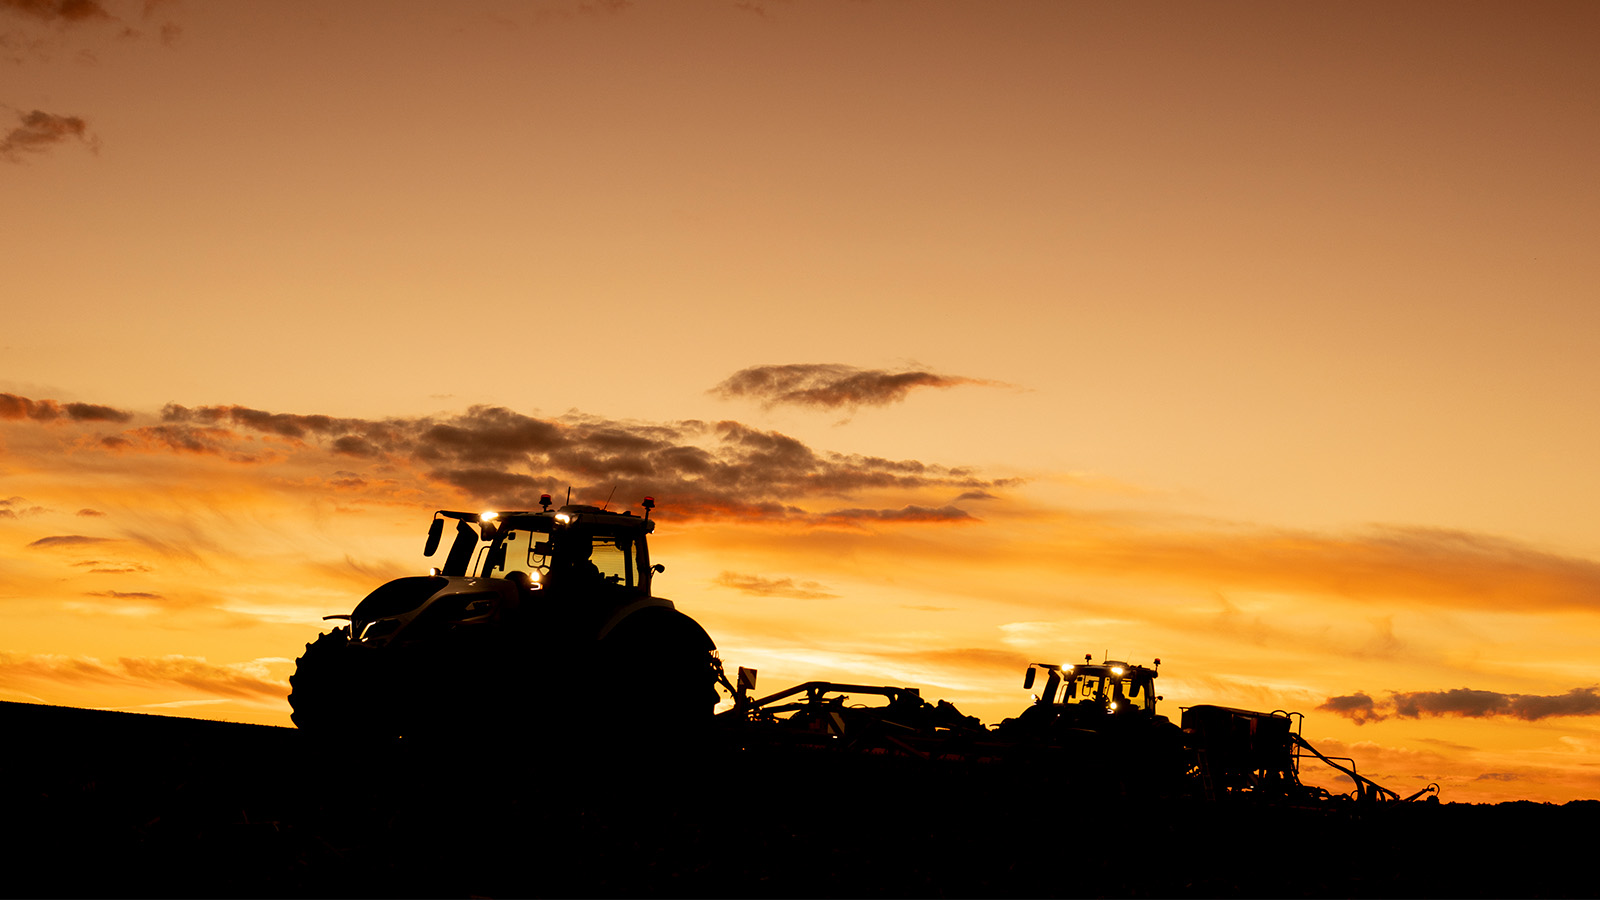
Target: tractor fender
(630,609)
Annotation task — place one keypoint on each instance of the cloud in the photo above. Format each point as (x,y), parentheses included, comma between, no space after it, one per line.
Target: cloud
(773,587)
(237,680)
(1358,708)
(1455,569)
(181,438)
(11,508)
(68,540)
(69,11)
(126,595)
(110,567)
(979,658)
(503,458)
(39,131)
(831,386)
(15,407)
(904,514)
(1465,703)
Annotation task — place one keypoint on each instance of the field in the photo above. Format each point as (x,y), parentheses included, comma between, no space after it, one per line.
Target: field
(117,804)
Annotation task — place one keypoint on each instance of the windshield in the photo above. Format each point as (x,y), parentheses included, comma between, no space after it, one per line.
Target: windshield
(519,551)
(1099,687)
(616,558)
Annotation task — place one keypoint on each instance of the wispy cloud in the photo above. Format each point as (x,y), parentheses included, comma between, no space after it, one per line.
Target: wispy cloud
(237,680)
(67,540)
(787,588)
(1442,567)
(832,385)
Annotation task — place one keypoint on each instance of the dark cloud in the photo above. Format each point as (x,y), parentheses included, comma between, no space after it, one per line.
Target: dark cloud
(89,512)
(830,385)
(1357,707)
(773,587)
(39,131)
(1465,703)
(976,495)
(180,438)
(15,407)
(68,540)
(69,11)
(502,458)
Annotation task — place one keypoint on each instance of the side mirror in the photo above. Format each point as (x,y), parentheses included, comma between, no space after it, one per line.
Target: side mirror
(1027,680)
(658,568)
(435,531)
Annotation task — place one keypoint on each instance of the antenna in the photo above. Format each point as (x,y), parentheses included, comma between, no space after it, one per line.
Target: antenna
(569,495)
(609,496)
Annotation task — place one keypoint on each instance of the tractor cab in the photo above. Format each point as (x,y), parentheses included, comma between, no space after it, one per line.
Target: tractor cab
(1089,691)
(574,547)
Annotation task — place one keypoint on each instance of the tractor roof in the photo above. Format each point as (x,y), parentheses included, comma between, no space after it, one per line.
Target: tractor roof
(566,516)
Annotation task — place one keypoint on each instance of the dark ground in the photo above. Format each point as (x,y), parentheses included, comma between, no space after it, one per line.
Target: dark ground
(116,804)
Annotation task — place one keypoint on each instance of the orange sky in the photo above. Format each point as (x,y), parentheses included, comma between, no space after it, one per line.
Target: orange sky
(1256,337)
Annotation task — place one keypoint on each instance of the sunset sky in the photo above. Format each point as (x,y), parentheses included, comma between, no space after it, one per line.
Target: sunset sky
(948,336)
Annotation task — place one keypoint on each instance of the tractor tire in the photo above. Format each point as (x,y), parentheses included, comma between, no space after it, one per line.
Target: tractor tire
(331,691)
(669,654)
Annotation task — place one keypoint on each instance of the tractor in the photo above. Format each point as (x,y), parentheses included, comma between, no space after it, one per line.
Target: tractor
(1097,725)
(528,612)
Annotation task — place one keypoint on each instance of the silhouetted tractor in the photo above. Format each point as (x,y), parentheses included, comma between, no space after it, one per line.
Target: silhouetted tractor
(520,627)
(1096,726)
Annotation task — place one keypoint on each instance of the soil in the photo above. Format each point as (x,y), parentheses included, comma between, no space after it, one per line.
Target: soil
(117,804)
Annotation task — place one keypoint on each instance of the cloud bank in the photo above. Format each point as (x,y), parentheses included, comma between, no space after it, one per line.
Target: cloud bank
(1362,708)
(498,457)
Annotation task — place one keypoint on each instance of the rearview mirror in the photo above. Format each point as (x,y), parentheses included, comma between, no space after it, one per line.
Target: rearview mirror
(435,531)
(1027,680)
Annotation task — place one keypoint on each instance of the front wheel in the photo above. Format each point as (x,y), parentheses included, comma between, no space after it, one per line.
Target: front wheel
(331,692)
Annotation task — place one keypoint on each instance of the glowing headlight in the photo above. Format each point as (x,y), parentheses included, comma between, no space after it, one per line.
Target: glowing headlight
(1113,706)
(1116,670)
(563,518)
(489,516)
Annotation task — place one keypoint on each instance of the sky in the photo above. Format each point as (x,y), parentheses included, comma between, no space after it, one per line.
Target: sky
(1259,338)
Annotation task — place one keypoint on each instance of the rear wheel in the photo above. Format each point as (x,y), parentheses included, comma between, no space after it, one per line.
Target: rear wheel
(668,656)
